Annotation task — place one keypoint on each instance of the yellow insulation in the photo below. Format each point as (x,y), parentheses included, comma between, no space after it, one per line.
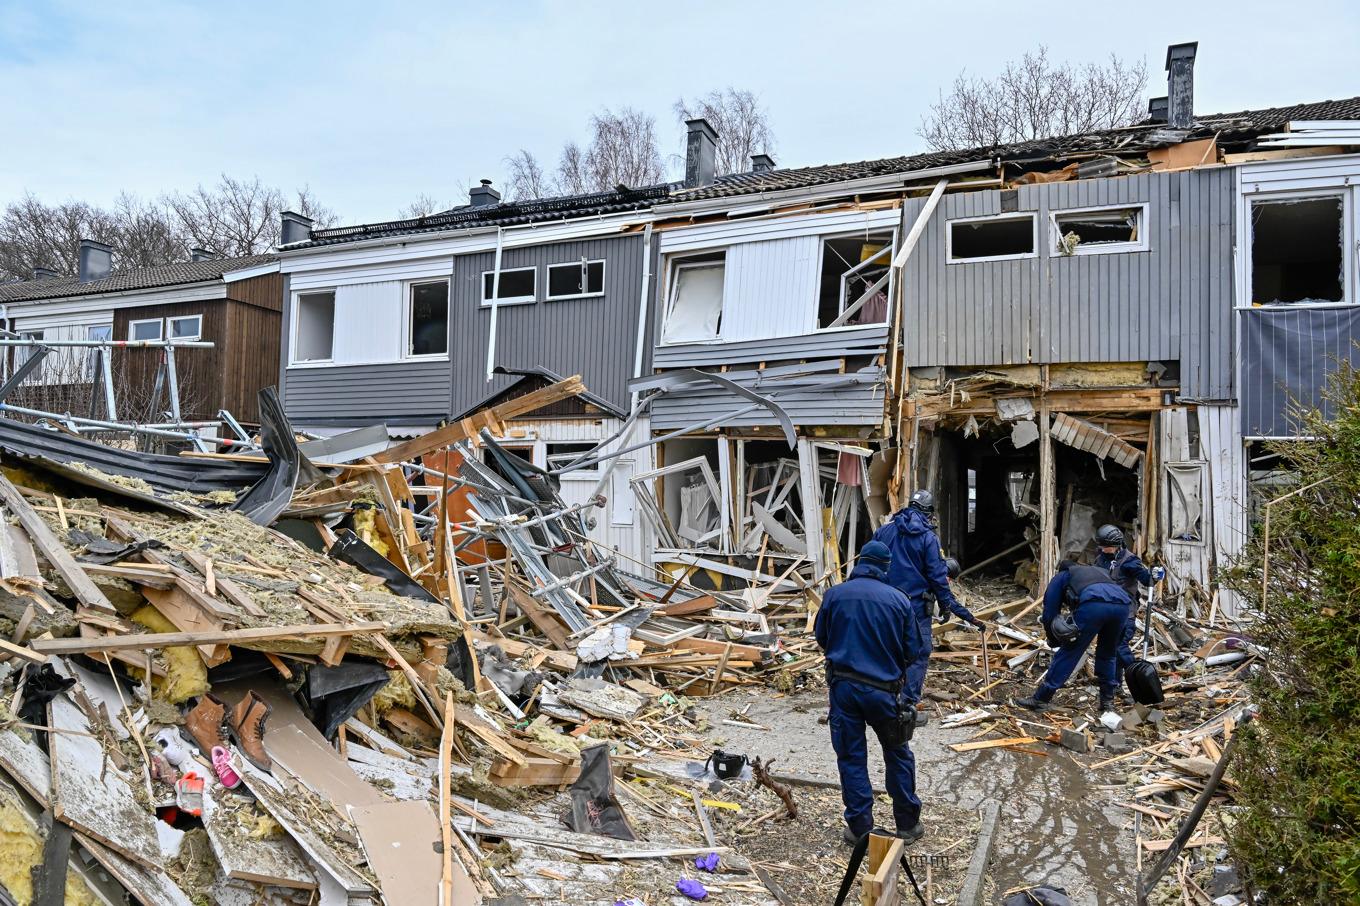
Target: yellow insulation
(185,674)
(20,850)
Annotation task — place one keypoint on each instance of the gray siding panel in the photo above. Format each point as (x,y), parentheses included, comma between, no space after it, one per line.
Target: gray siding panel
(594,337)
(1289,354)
(871,340)
(405,392)
(814,399)
(1173,301)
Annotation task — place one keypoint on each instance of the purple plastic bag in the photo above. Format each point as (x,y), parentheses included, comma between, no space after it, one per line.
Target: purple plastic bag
(692,889)
(707,863)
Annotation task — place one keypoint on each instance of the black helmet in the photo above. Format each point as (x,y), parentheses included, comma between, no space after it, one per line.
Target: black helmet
(1064,629)
(1109,536)
(952,567)
(924,501)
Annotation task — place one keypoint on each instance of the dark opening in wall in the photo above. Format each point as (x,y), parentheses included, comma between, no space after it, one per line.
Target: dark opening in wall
(1077,229)
(1296,251)
(1003,236)
(851,267)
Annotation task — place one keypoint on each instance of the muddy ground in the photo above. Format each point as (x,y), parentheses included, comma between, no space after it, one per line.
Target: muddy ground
(1058,825)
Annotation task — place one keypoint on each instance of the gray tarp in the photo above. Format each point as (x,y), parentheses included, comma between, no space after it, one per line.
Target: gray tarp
(1287,354)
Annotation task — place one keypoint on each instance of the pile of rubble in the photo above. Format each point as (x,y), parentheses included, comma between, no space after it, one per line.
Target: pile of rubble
(338,673)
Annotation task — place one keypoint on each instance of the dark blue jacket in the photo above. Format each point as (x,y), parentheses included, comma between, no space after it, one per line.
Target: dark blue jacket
(1126,569)
(1108,592)
(917,565)
(866,625)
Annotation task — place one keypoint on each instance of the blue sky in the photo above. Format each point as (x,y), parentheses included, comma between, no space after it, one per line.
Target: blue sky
(374,104)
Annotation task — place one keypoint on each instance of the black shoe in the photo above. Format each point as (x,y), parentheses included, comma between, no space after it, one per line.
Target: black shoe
(1106,704)
(1033,703)
(912,834)
(849,836)
(922,718)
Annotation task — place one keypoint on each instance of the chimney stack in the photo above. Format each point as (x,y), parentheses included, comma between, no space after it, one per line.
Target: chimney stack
(203,255)
(1180,84)
(701,148)
(96,260)
(483,196)
(761,163)
(294,228)
(44,273)
(1157,109)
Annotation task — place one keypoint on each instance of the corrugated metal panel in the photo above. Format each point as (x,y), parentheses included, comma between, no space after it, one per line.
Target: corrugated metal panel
(1288,354)
(365,394)
(816,400)
(594,337)
(1171,302)
(770,288)
(856,341)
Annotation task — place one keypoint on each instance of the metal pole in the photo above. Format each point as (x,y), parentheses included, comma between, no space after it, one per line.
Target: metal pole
(110,344)
(495,307)
(172,380)
(75,420)
(106,369)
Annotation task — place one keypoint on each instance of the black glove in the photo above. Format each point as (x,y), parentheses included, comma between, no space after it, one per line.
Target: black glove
(1048,634)
(976,624)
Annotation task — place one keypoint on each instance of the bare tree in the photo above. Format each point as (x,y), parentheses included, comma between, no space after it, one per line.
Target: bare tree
(622,151)
(527,178)
(238,216)
(1035,98)
(742,124)
(143,235)
(424,205)
(33,235)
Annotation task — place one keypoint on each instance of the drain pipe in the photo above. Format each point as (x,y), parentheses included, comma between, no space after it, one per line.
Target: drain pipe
(495,306)
(642,307)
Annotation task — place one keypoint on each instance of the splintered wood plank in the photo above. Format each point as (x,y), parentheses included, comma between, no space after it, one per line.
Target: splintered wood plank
(399,840)
(92,795)
(272,860)
(158,640)
(147,886)
(993,743)
(47,543)
(186,616)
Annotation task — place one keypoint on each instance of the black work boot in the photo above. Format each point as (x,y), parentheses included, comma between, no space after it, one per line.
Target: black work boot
(1034,702)
(1106,703)
(911,834)
(850,836)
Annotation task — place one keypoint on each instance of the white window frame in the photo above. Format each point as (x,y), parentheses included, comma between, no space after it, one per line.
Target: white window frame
(1018,215)
(674,266)
(547,286)
(407,309)
(293,311)
(160,327)
(1348,243)
(510,300)
(1100,248)
(592,473)
(821,260)
(198,333)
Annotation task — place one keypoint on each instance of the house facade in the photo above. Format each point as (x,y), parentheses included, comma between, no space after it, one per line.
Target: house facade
(233,303)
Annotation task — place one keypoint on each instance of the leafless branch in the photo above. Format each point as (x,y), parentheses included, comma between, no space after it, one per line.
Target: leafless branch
(742,124)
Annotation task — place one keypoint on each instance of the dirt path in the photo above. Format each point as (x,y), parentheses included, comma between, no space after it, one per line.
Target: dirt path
(1056,826)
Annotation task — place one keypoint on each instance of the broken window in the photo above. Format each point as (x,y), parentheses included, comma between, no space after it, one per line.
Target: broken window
(694,309)
(993,237)
(575,280)
(1296,250)
(188,327)
(1100,230)
(686,514)
(563,454)
(429,318)
(517,285)
(315,327)
(854,280)
(149,329)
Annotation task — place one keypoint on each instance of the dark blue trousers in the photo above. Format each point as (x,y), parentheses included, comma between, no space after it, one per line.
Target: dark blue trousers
(1105,623)
(1124,655)
(853,707)
(914,684)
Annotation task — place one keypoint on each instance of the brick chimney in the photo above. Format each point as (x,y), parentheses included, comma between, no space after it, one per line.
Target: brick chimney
(1180,85)
(96,260)
(701,149)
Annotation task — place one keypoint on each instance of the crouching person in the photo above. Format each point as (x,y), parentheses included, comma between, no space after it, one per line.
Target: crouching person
(869,632)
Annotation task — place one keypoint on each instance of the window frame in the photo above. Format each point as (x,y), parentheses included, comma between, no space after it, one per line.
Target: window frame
(1349,292)
(132,329)
(198,334)
(407,313)
(674,266)
(512,300)
(295,322)
(1032,216)
(889,287)
(592,473)
(1141,244)
(547,284)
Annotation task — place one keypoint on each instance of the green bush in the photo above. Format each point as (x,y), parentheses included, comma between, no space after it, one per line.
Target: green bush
(1297,837)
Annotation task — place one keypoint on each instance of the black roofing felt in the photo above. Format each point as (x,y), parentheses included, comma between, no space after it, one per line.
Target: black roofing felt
(177,274)
(1230,128)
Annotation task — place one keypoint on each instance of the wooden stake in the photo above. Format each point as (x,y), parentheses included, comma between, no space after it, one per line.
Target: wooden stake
(445,819)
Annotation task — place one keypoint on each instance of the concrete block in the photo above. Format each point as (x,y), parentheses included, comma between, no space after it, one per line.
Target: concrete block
(1117,743)
(1130,720)
(1077,741)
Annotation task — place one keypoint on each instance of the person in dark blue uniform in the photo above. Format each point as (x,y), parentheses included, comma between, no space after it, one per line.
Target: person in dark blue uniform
(1129,572)
(1100,608)
(919,571)
(869,633)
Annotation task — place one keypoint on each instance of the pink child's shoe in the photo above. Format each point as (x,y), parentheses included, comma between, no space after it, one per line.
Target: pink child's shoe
(221,760)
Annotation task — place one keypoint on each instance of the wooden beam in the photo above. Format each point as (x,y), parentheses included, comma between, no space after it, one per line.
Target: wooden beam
(81,585)
(158,640)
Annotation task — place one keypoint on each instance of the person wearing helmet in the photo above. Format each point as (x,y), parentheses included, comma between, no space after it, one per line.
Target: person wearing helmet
(918,571)
(868,631)
(1126,569)
(1100,608)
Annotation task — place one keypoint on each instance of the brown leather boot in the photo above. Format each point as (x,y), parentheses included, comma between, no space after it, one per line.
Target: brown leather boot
(205,724)
(246,726)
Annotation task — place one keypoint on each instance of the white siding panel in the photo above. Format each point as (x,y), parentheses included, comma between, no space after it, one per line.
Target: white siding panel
(770,289)
(419,269)
(762,229)
(368,323)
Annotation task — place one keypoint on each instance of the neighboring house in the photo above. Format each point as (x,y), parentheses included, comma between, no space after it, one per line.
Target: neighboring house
(392,322)
(232,302)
